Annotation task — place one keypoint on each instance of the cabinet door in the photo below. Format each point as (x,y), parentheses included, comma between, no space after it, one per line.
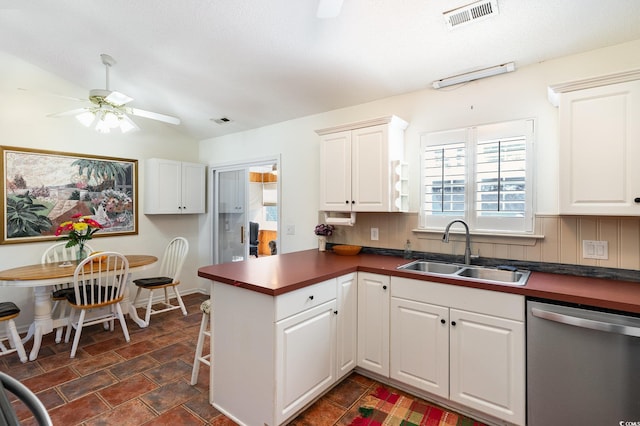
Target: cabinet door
(371,170)
(163,186)
(305,358)
(599,147)
(347,324)
(488,365)
(419,345)
(373,322)
(193,182)
(335,172)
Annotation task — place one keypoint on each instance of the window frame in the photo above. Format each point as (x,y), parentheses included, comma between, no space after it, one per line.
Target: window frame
(498,224)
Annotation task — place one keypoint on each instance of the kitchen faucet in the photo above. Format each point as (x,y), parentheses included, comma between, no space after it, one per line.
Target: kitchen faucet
(467,249)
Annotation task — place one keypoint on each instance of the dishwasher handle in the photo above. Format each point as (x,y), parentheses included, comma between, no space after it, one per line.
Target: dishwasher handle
(587,323)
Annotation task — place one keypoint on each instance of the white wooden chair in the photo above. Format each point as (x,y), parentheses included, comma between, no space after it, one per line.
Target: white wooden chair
(99,282)
(170,269)
(59,253)
(205,331)
(9,311)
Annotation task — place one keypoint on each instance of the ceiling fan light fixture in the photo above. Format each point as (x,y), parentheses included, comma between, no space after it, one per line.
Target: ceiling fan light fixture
(127,125)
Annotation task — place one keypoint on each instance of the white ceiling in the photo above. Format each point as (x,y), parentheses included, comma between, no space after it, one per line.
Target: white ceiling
(260,62)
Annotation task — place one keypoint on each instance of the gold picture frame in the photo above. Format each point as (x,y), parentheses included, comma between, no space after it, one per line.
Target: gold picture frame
(42,189)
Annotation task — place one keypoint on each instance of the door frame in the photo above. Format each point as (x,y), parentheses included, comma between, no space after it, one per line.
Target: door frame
(213,198)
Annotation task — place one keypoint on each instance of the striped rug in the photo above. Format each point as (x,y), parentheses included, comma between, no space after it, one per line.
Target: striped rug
(383,407)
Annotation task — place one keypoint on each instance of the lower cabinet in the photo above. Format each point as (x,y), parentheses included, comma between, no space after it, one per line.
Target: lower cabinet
(305,358)
(463,344)
(373,322)
(346,324)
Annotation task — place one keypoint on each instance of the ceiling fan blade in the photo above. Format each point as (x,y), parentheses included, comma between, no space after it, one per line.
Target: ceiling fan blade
(55,95)
(328,8)
(153,115)
(68,113)
(118,99)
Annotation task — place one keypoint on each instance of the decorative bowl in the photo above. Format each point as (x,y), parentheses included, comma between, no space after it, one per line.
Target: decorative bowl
(346,250)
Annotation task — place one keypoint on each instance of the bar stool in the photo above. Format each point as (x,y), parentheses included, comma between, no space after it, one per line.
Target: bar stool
(205,330)
(9,311)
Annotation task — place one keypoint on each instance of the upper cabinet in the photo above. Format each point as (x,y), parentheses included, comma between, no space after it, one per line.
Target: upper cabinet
(360,166)
(174,187)
(599,146)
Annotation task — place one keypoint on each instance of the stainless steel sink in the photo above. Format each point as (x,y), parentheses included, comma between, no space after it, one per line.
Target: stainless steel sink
(495,275)
(426,267)
(483,274)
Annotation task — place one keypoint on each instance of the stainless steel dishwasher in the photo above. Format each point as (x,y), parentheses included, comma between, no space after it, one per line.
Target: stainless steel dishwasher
(583,366)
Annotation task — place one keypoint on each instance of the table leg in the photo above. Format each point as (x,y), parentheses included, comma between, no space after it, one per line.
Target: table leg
(42,322)
(127,306)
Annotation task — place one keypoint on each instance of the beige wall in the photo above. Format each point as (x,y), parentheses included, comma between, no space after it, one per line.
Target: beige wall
(562,241)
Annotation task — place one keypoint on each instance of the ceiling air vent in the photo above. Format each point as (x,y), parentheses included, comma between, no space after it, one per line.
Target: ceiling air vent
(471,13)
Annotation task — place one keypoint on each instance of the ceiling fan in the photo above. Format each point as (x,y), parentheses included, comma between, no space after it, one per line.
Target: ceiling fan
(109,110)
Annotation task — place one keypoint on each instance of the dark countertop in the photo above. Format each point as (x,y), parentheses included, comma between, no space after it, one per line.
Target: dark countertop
(275,275)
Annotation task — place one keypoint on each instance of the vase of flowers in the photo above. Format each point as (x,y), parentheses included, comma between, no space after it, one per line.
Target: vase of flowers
(79,230)
(323,231)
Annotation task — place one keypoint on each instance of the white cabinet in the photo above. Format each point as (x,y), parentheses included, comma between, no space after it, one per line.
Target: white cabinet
(174,187)
(278,354)
(599,148)
(347,324)
(420,331)
(373,322)
(359,166)
(463,344)
(305,358)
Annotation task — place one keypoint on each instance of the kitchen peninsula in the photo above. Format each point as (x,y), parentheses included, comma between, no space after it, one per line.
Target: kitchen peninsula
(284,326)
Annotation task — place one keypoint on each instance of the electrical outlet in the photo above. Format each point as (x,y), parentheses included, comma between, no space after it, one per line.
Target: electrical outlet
(595,249)
(374,234)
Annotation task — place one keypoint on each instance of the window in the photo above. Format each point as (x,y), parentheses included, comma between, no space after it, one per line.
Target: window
(481,175)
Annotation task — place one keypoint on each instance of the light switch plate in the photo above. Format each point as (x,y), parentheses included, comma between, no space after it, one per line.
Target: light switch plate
(595,249)
(374,234)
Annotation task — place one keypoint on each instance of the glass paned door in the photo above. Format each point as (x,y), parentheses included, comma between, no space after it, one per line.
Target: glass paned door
(232,244)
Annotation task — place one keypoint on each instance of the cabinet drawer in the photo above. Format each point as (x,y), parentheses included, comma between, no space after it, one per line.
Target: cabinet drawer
(299,300)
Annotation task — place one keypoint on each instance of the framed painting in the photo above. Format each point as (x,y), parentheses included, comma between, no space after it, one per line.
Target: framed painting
(42,189)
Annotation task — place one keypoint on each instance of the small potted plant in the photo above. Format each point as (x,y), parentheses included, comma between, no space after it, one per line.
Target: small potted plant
(323,231)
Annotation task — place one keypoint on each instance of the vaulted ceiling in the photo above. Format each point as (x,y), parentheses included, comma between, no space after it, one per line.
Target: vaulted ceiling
(258,62)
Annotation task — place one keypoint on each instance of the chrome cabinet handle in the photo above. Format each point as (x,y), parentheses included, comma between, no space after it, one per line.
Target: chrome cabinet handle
(587,323)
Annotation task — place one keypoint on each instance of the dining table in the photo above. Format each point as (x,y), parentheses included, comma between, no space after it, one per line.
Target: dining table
(43,276)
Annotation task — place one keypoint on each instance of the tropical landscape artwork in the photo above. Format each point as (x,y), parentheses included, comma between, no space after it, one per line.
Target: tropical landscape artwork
(43,189)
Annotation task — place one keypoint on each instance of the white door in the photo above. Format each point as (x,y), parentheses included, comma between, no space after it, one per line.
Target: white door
(305,358)
(231,222)
(373,322)
(487,364)
(347,324)
(420,345)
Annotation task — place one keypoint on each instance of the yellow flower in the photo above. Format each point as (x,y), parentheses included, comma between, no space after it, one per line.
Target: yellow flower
(80,227)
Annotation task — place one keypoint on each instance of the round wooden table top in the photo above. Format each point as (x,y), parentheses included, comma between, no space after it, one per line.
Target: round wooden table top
(50,271)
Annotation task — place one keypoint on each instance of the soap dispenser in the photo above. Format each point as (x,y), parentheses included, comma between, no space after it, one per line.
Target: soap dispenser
(407,250)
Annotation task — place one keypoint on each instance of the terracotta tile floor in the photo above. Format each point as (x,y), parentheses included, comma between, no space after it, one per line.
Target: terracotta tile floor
(146,381)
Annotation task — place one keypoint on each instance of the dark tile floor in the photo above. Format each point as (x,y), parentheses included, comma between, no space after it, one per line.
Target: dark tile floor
(146,381)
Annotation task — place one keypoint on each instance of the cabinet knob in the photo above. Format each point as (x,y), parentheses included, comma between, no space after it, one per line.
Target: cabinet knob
(346,201)
(453,323)
(442,321)
(311,297)
(636,200)
(335,312)
(353,201)
(384,287)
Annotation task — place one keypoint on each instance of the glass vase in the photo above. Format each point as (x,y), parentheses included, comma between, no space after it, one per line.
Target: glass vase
(322,243)
(80,254)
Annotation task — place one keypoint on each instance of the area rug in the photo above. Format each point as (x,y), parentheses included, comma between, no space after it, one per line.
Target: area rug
(383,407)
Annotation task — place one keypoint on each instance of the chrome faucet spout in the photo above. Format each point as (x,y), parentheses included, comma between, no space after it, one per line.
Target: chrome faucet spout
(467,248)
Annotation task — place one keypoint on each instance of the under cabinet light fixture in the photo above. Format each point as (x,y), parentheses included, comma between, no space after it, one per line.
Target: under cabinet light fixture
(474,75)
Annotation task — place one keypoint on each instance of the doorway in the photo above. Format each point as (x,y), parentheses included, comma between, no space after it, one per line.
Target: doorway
(246,210)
